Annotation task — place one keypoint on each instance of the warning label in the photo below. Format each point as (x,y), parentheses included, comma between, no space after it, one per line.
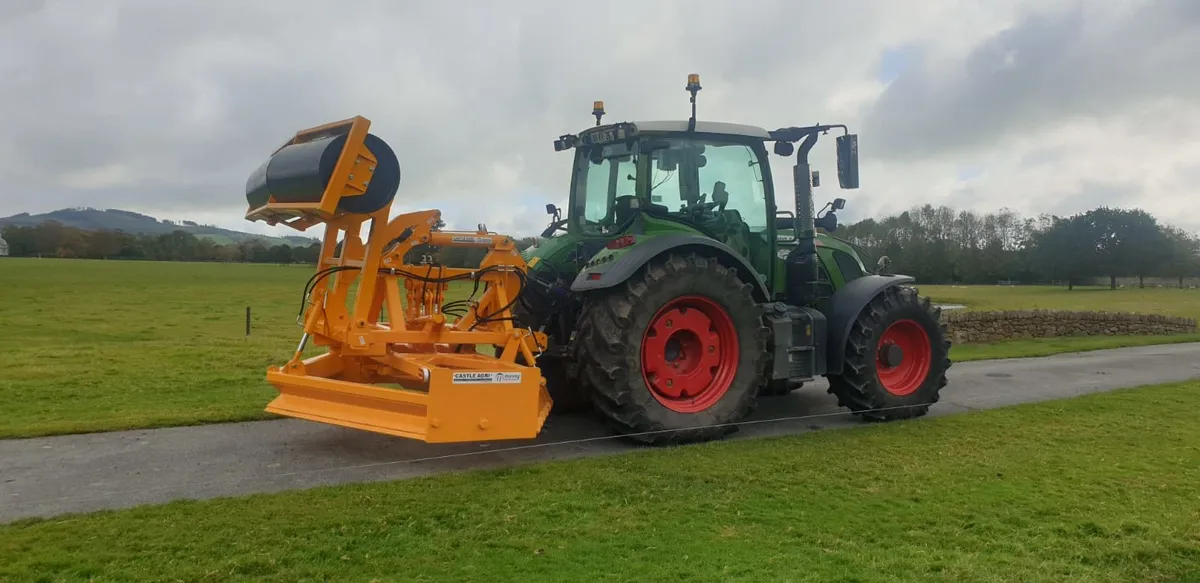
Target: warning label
(486,378)
(471,240)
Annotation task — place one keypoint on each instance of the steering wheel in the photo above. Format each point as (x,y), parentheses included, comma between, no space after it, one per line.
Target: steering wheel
(559,225)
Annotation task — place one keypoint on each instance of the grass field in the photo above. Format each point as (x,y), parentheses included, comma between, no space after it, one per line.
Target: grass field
(105,345)
(1100,488)
(1167,301)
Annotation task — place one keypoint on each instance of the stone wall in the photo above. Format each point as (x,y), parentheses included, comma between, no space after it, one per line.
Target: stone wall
(967,327)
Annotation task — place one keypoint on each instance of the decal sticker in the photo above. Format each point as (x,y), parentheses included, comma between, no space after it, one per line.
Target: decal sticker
(486,378)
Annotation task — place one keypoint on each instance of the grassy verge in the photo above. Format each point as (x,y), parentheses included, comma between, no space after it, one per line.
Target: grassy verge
(108,345)
(1049,346)
(1166,301)
(1098,488)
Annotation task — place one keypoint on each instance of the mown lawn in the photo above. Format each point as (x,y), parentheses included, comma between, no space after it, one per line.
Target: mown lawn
(97,345)
(1100,488)
(107,345)
(1167,301)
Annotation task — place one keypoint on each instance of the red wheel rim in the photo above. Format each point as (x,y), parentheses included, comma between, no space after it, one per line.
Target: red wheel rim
(904,371)
(689,354)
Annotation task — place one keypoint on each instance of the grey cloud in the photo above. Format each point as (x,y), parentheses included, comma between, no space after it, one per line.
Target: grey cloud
(1092,194)
(1041,157)
(188,97)
(185,99)
(1047,68)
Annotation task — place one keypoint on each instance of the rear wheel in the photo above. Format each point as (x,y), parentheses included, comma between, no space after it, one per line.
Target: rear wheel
(896,358)
(673,352)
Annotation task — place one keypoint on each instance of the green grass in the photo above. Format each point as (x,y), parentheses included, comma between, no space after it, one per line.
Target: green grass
(100,345)
(107,345)
(1101,488)
(1034,347)
(1166,301)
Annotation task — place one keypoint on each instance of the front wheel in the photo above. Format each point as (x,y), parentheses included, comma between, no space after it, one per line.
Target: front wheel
(896,358)
(676,354)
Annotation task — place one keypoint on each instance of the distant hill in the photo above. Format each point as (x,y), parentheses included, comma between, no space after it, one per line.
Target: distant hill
(90,219)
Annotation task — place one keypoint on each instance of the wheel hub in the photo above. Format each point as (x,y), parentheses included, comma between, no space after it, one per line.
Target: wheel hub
(891,355)
(689,354)
(904,357)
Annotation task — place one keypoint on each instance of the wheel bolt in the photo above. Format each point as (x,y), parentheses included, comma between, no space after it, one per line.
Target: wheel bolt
(668,323)
(711,349)
(670,382)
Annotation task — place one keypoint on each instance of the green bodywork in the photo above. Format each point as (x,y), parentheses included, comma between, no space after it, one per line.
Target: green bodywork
(750,231)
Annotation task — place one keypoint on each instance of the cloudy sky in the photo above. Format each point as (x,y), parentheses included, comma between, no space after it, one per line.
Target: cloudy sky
(165,107)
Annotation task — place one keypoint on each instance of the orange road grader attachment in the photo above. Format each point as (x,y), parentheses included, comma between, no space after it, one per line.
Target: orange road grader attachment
(400,359)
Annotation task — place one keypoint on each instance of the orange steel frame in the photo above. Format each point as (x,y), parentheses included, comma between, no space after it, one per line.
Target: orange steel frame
(418,347)
(391,330)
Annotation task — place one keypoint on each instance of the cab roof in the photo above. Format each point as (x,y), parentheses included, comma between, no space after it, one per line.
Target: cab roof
(708,127)
(620,131)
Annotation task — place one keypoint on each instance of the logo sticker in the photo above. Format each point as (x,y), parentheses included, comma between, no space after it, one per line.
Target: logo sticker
(471,240)
(486,378)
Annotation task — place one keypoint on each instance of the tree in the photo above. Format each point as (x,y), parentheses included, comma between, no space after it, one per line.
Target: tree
(1184,260)
(1066,250)
(279,254)
(1128,242)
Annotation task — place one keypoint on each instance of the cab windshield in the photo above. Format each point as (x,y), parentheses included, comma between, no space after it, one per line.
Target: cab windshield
(701,181)
(602,175)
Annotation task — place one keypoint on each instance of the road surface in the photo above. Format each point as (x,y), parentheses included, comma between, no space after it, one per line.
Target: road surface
(74,473)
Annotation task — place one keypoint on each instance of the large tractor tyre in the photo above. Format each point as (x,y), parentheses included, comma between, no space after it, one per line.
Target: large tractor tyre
(896,358)
(676,353)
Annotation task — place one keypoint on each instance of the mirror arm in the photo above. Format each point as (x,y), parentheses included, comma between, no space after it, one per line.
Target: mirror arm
(805,147)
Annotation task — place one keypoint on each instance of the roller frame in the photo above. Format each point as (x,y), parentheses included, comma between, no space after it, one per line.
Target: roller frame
(394,362)
(417,348)
(344,183)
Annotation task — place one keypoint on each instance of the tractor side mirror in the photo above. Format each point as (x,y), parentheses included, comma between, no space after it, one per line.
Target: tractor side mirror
(551,209)
(828,222)
(847,160)
(839,204)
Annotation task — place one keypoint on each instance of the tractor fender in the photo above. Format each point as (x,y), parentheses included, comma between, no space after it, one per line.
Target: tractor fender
(606,275)
(845,307)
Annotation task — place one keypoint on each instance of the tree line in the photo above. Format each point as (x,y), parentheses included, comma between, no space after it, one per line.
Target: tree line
(53,239)
(941,245)
(933,244)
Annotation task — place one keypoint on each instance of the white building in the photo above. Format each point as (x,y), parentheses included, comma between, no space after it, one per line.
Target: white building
(3,247)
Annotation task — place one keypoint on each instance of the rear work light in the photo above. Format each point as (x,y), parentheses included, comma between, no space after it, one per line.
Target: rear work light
(621,242)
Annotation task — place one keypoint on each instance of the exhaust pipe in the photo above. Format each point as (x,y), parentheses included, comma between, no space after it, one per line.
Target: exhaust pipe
(802,260)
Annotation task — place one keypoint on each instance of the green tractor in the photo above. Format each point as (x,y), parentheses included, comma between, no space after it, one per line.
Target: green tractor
(675,292)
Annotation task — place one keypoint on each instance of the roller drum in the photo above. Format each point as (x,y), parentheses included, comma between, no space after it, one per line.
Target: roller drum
(300,173)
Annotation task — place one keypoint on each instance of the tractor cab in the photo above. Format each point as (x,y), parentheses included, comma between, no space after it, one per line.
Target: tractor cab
(660,176)
(634,180)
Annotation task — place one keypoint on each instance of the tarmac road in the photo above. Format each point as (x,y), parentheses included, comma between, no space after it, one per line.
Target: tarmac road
(74,473)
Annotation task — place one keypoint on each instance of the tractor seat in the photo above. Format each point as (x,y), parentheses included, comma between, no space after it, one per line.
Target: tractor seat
(627,206)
